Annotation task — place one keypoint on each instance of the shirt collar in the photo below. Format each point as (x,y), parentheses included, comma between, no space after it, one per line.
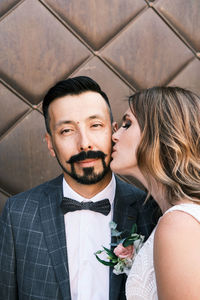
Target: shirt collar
(107,193)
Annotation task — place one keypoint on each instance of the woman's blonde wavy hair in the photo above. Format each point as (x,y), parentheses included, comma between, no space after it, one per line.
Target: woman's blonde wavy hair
(169,151)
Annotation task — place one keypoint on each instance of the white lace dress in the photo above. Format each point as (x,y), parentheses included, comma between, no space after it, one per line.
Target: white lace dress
(141,282)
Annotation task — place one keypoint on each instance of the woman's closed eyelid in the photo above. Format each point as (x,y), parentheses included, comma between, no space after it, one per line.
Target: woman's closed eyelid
(126,124)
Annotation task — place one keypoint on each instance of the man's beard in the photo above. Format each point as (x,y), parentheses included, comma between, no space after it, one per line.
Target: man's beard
(89,176)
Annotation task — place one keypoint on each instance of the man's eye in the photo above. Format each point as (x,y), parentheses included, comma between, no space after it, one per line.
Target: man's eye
(96,125)
(127,124)
(65,131)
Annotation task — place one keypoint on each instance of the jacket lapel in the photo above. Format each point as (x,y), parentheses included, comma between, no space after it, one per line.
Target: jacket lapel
(124,216)
(53,225)
(52,220)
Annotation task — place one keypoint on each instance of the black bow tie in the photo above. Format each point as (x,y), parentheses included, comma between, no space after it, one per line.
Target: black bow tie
(68,205)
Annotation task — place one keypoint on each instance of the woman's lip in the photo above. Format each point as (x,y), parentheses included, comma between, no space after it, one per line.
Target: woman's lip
(114,151)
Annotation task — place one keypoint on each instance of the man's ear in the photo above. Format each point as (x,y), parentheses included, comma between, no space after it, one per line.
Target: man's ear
(49,144)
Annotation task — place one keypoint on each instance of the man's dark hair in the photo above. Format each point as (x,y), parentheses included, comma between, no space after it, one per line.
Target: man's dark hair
(71,86)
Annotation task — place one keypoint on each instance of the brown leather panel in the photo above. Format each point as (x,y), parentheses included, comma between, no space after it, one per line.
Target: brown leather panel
(5,5)
(147,53)
(116,90)
(189,77)
(184,16)
(24,158)
(97,21)
(3,199)
(12,108)
(36,50)
(140,43)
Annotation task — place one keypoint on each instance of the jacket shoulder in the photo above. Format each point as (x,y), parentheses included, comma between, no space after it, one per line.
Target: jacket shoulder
(34,193)
(128,189)
(135,198)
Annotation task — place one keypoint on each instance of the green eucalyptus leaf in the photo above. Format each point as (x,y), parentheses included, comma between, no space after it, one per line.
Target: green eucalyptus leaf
(135,236)
(106,263)
(115,233)
(122,241)
(99,252)
(110,253)
(127,242)
(112,225)
(134,228)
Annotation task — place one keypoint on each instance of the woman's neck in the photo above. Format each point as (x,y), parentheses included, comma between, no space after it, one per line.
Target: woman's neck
(159,195)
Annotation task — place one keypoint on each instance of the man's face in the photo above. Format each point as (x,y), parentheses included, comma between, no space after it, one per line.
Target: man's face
(81,136)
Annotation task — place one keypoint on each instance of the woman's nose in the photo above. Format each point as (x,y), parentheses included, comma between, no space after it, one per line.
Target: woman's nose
(115,136)
(115,129)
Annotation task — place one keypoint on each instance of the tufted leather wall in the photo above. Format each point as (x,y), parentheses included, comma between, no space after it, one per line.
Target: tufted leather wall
(123,44)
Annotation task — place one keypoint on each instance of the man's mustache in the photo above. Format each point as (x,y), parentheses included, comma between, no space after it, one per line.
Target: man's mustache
(86,155)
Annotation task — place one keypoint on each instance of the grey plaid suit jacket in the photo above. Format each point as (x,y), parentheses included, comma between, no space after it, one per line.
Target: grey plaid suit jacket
(33,252)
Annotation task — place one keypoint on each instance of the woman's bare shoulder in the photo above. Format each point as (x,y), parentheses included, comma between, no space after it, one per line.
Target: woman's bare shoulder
(177,222)
(177,256)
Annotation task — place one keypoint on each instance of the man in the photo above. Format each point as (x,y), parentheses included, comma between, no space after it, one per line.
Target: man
(46,246)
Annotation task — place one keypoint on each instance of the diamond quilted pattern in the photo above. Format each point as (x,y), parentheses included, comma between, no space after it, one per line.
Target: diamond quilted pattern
(31,37)
(123,44)
(12,108)
(96,20)
(184,16)
(116,90)
(5,5)
(3,198)
(24,158)
(189,77)
(147,53)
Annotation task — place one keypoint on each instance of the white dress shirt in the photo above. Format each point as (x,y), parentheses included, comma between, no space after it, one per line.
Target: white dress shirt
(86,232)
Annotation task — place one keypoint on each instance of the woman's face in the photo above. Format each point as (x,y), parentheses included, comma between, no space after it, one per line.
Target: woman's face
(126,139)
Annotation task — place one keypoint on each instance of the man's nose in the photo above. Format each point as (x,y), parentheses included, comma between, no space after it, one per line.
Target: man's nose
(86,148)
(85,143)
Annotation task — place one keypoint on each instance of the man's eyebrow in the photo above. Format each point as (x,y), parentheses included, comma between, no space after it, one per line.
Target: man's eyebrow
(63,122)
(95,117)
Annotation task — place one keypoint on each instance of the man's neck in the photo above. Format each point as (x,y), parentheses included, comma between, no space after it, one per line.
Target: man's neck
(88,190)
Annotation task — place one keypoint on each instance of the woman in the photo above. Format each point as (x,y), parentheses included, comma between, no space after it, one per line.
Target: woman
(159,144)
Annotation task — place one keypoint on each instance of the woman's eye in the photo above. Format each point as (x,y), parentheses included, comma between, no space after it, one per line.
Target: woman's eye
(127,124)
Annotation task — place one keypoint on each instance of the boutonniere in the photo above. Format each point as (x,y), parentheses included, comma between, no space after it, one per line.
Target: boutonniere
(127,245)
